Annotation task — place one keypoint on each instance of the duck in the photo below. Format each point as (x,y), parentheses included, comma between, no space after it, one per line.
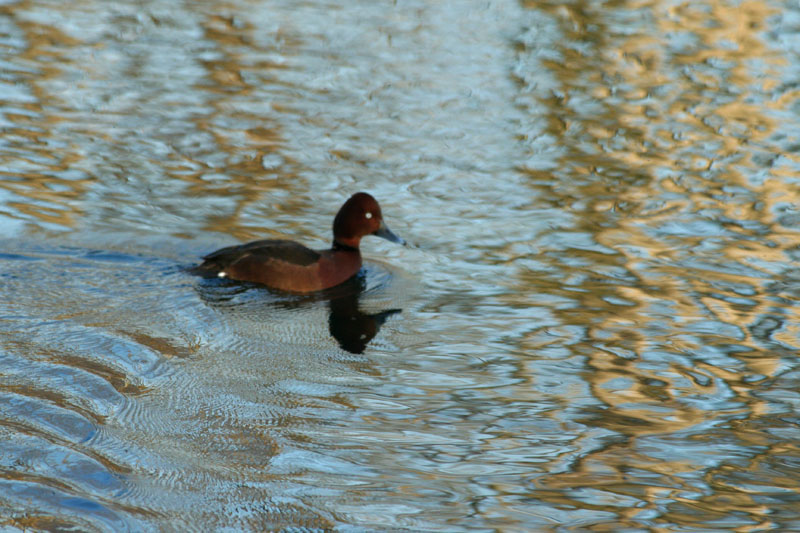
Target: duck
(289,266)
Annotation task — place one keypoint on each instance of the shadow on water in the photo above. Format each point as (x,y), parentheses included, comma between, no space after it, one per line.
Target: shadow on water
(352,328)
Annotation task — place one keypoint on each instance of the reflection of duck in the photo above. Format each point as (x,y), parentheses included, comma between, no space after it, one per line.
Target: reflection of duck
(351,328)
(290,266)
(348,325)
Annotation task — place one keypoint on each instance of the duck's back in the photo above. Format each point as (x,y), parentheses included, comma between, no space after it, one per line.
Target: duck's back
(268,250)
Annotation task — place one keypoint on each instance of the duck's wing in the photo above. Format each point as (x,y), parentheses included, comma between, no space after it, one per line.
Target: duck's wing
(269,251)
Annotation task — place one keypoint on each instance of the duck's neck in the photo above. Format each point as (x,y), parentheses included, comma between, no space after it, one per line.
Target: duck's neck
(339,247)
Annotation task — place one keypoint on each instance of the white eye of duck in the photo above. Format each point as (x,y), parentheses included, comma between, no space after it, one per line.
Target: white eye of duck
(368,215)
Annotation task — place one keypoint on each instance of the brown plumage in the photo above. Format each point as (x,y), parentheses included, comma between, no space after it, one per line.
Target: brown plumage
(290,266)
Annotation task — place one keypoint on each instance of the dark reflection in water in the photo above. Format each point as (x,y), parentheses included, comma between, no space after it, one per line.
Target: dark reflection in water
(351,327)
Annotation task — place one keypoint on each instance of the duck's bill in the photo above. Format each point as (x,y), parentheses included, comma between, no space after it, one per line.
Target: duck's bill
(387,234)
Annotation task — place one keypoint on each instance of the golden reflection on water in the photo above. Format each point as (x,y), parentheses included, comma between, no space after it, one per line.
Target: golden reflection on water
(34,168)
(682,139)
(248,172)
(55,145)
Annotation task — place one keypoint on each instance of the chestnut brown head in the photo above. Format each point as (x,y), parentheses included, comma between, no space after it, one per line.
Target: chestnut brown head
(359,216)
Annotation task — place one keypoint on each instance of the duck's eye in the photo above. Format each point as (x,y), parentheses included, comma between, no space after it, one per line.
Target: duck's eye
(368,215)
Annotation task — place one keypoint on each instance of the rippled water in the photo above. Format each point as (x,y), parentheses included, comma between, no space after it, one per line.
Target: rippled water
(593,327)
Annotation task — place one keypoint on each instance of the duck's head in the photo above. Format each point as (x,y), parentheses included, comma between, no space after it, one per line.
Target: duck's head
(360,216)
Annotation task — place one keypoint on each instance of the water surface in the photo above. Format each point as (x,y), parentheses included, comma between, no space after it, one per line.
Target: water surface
(593,327)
